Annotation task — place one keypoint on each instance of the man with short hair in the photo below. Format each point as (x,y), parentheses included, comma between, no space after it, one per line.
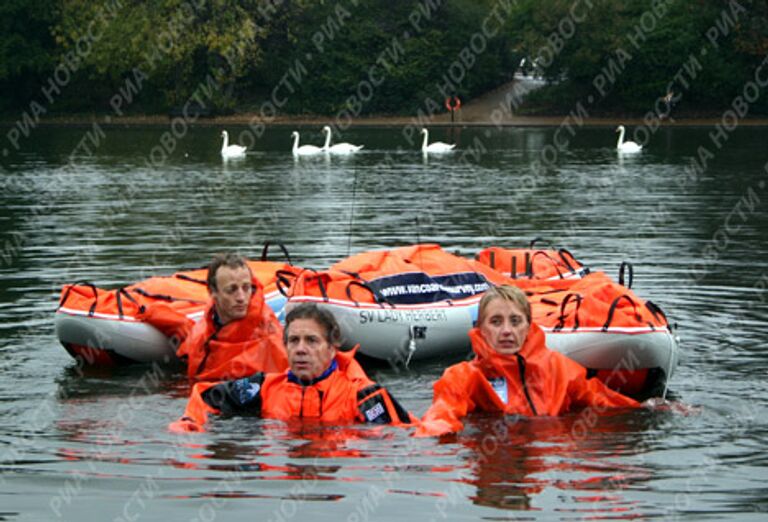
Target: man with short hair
(239,333)
(322,383)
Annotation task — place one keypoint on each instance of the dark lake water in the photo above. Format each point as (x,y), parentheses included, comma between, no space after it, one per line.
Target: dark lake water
(93,445)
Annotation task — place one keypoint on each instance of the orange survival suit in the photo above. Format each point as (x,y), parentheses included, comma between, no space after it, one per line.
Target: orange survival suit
(342,394)
(238,348)
(538,381)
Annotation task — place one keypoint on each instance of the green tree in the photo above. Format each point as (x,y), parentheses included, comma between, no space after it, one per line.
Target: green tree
(626,55)
(402,49)
(26,48)
(172,46)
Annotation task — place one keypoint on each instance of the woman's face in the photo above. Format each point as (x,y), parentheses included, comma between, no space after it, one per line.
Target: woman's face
(504,326)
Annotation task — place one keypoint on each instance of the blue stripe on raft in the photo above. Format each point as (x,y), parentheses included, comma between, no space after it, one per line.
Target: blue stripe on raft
(418,287)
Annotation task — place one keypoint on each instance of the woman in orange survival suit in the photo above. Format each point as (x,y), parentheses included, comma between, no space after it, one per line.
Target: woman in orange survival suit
(513,371)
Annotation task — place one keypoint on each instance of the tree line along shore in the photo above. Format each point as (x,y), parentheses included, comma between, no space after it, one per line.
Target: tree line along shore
(373,62)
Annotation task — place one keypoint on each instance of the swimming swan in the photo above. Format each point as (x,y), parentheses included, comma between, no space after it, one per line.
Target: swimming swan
(304,150)
(231,151)
(626,146)
(338,148)
(437,146)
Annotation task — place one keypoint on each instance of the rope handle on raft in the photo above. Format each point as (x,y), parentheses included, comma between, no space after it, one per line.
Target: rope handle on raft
(563,252)
(191,279)
(657,311)
(567,260)
(283,280)
(315,275)
(120,292)
(626,265)
(529,258)
(165,297)
(532,245)
(612,309)
(555,263)
(561,320)
(265,251)
(576,266)
(378,298)
(90,285)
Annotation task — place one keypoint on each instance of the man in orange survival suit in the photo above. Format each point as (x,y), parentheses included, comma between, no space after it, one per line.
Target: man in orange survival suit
(322,383)
(239,334)
(513,372)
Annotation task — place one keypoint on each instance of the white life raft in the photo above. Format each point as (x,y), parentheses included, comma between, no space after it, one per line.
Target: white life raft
(419,302)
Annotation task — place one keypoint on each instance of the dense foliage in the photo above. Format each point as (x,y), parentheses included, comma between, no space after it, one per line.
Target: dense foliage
(351,57)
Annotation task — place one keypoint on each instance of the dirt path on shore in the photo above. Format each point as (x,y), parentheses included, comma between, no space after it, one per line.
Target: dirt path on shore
(498,106)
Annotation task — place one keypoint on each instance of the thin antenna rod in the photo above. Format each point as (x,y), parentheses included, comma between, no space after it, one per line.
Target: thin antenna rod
(352,213)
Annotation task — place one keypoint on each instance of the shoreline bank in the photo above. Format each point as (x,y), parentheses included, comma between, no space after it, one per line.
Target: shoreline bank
(442,120)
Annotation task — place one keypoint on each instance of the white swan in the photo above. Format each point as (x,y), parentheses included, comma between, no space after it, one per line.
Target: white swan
(304,150)
(338,148)
(231,151)
(626,146)
(437,146)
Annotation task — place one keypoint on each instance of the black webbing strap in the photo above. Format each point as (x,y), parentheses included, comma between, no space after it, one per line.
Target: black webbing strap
(564,255)
(265,251)
(283,281)
(561,320)
(612,309)
(118,297)
(657,312)
(192,279)
(322,287)
(626,265)
(81,283)
(378,298)
(553,261)
(164,297)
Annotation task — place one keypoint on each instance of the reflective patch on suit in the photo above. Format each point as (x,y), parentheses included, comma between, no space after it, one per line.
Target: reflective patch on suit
(499,385)
(374,412)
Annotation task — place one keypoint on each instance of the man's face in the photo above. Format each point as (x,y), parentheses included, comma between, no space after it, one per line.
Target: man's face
(233,292)
(309,352)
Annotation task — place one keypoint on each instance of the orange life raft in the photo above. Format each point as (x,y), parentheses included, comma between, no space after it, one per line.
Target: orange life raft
(419,302)
(402,304)
(145,321)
